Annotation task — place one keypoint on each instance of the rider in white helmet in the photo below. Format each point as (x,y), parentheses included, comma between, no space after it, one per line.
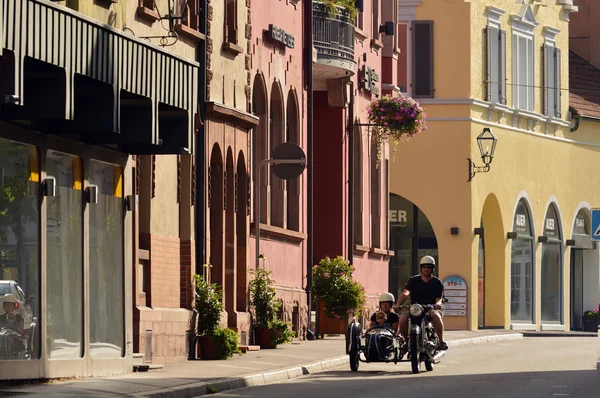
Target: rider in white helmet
(10,319)
(425,288)
(386,300)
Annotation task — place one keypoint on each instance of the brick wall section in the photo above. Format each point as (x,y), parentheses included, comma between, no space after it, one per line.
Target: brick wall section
(165,271)
(187,270)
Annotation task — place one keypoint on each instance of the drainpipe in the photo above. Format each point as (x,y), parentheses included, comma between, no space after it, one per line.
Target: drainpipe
(201,150)
(308,66)
(576,117)
(350,129)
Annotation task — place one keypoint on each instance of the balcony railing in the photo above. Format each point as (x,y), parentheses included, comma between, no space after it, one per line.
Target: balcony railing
(333,37)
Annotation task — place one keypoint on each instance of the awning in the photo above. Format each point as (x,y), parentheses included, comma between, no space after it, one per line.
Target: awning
(135,69)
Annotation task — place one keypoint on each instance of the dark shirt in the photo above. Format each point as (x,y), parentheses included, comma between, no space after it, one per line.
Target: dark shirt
(16,323)
(392,318)
(422,292)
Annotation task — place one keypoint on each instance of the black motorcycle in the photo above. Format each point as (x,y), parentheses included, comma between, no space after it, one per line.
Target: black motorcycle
(14,345)
(423,341)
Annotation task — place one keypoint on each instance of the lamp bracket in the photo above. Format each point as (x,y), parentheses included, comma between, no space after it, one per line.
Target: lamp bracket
(473,169)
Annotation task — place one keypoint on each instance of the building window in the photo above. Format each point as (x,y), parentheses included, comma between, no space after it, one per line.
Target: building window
(521,267)
(552,75)
(191,14)
(231,21)
(422,68)
(358,185)
(276,132)
(359,20)
(107,268)
(293,186)
(523,60)
(495,58)
(375,198)
(375,19)
(551,271)
(64,256)
(20,235)
(261,139)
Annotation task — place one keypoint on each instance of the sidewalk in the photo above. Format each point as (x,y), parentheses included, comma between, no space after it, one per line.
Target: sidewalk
(195,378)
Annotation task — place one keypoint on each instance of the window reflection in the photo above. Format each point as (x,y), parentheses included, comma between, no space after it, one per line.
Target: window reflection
(19,251)
(64,243)
(106,262)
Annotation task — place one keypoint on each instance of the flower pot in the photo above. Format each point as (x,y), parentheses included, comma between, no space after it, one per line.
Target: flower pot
(265,337)
(590,323)
(329,325)
(205,348)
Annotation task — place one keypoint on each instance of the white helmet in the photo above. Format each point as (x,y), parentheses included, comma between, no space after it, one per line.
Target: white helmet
(9,298)
(386,297)
(427,260)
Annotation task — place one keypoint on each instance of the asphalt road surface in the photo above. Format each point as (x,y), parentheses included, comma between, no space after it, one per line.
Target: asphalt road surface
(532,367)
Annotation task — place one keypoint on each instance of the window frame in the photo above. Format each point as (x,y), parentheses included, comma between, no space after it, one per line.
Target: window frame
(495,77)
(228,30)
(552,74)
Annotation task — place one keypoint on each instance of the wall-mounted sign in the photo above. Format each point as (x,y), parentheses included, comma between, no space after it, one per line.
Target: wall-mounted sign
(370,79)
(551,223)
(455,290)
(279,35)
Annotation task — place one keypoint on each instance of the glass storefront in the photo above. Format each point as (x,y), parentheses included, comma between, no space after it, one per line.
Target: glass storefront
(521,267)
(106,262)
(411,237)
(64,256)
(551,271)
(19,251)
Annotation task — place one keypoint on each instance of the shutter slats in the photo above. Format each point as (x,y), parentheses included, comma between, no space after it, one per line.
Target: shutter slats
(422,38)
(558,87)
(502,74)
(488,70)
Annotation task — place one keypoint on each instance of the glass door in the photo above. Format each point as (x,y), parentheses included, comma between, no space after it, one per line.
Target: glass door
(576,289)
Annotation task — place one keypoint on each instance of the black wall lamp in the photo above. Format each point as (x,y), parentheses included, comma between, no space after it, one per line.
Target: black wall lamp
(487,146)
(388,28)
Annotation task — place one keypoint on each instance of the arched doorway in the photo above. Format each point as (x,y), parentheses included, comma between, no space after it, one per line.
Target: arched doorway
(276,130)
(491,265)
(411,237)
(583,269)
(522,274)
(229,206)
(552,269)
(241,218)
(215,202)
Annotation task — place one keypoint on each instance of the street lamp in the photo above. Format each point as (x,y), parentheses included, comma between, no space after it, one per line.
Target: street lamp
(487,146)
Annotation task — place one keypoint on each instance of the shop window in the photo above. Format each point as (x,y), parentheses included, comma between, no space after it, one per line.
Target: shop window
(551,271)
(422,68)
(107,328)
(358,185)
(523,60)
(231,27)
(521,268)
(64,256)
(276,127)
(20,244)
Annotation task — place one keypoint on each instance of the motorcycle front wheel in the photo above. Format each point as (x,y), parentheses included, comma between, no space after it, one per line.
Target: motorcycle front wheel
(414,354)
(429,365)
(354,357)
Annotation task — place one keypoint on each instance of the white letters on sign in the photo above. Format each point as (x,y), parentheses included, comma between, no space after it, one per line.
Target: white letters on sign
(521,220)
(398,216)
(550,224)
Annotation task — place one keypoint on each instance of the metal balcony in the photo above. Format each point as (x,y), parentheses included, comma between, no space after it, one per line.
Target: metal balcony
(333,40)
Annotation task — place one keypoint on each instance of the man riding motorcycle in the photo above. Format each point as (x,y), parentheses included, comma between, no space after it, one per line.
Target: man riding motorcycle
(424,289)
(10,319)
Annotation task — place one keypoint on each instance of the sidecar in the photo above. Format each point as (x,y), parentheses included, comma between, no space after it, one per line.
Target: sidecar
(378,344)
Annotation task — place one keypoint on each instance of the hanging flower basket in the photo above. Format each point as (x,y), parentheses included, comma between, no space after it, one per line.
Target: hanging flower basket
(394,120)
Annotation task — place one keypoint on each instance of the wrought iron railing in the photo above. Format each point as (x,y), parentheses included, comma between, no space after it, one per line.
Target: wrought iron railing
(333,33)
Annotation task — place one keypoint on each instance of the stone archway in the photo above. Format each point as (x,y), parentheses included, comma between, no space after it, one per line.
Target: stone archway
(492,265)
(215,202)
(229,206)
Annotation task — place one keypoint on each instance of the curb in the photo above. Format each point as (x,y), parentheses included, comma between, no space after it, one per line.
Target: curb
(559,334)
(260,379)
(495,338)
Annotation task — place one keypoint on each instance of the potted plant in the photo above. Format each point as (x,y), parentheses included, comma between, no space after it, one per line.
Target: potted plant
(394,120)
(331,6)
(269,331)
(590,320)
(339,295)
(213,342)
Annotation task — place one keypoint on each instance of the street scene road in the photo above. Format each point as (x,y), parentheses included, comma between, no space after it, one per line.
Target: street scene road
(532,367)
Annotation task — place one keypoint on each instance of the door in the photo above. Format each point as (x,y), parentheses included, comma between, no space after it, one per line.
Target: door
(576,289)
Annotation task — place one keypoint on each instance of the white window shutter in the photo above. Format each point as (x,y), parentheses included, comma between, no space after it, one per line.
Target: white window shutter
(502,74)
(557,85)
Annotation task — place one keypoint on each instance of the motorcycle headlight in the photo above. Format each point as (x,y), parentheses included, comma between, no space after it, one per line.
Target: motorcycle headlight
(415,310)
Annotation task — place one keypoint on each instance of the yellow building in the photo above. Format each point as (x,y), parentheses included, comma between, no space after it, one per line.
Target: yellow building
(518,235)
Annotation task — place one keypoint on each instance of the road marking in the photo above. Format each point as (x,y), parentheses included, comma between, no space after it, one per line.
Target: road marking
(560,386)
(560,394)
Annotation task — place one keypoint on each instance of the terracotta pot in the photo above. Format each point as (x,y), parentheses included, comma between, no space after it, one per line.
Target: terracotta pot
(329,325)
(205,348)
(265,337)
(590,323)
